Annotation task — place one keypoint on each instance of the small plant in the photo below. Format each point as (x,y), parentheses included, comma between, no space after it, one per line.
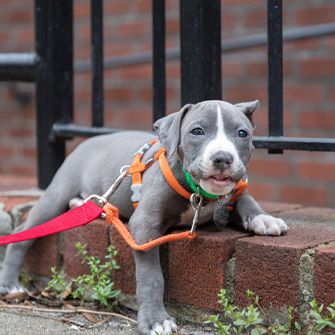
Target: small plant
(321,321)
(59,283)
(253,320)
(96,285)
(239,320)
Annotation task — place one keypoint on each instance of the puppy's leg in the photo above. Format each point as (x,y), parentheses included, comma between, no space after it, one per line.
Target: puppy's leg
(152,316)
(52,203)
(256,220)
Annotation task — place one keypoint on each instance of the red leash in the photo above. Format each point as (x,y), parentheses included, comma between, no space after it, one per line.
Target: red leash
(76,217)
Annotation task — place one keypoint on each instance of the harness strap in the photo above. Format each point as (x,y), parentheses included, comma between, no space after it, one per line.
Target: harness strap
(136,169)
(170,178)
(240,187)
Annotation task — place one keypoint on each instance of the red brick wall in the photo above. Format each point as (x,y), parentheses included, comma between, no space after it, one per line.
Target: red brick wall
(309,91)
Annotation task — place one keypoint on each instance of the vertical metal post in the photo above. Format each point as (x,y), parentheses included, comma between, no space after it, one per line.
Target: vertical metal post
(275,68)
(158,62)
(54,81)
(97,63)
(200,38)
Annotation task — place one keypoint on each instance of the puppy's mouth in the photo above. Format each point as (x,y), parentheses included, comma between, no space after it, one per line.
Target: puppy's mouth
(218,184)
(219,179)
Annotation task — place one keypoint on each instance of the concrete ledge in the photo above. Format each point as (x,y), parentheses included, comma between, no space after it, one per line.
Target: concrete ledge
(286,270)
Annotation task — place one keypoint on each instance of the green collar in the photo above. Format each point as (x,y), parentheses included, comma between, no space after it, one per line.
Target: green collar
(197,188)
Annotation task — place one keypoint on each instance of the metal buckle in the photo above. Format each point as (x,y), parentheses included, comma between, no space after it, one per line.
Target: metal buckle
(136,189)
(143,149)
(124,168)
(97,199)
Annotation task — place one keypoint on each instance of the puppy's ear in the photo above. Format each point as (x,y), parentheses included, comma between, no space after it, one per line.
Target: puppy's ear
(248,108)
(168,129)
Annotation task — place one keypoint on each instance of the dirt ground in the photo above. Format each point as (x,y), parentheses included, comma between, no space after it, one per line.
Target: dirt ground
(36,323)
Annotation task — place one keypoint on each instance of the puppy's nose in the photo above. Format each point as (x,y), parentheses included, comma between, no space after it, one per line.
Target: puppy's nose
(222,160)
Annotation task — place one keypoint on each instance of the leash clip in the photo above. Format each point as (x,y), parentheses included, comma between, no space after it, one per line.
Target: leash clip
(196,201)
(224,199)
(101,200)
(116,184)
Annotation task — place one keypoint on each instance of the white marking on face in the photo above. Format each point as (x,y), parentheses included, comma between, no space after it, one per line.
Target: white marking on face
(219,143)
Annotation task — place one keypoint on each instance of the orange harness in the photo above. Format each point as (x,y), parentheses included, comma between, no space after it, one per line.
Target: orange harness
(136,170)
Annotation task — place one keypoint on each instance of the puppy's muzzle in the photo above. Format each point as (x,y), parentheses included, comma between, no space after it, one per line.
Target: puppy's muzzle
(222,160)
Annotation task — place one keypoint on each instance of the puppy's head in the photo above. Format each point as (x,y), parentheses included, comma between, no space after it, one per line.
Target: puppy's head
(213,141)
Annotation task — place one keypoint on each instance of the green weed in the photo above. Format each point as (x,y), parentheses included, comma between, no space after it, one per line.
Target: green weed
(96,285)
(253,320)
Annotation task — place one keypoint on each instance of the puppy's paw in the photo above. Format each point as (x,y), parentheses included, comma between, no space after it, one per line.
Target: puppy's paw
(153,321)
(76,202)
(265,224)
(11,289)
(166,328)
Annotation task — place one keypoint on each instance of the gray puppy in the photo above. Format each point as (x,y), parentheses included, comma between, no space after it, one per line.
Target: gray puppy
(212,140)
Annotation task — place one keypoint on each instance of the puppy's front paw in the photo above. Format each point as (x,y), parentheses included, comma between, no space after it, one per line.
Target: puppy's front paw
(153,321)
(264,224)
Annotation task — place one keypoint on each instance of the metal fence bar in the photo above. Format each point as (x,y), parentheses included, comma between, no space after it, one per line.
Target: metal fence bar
(158,59)
(18,66)
(200,45)
(54,81)
(22,66)
(291,34)
(64,131)
(236,44)
(97,63)
(294,143)
(275,68)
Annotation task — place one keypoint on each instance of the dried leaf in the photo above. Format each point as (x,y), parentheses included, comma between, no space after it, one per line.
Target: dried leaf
(68,305)
(65,294)
(17,296)
(90,317)
(45,294)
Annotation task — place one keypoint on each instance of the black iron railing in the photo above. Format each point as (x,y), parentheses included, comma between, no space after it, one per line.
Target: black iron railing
(51,67)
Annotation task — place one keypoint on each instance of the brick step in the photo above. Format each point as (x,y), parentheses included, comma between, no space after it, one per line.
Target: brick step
(286,270)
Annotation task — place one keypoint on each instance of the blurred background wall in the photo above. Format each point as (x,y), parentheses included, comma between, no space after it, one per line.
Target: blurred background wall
(309,87)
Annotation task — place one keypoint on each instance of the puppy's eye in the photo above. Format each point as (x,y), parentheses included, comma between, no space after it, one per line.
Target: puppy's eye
(242,134)
(197,131)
